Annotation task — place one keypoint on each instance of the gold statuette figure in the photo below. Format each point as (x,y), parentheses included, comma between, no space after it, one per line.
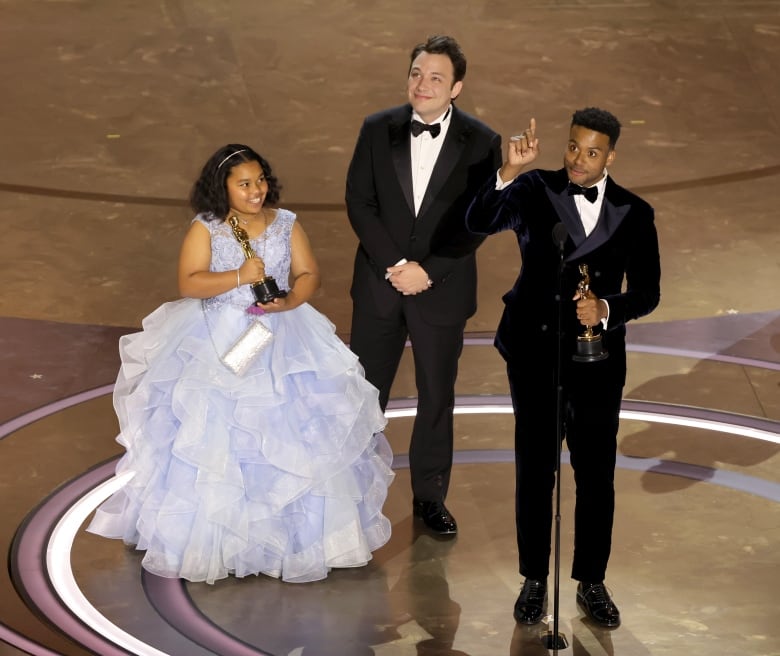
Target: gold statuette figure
(265,289)
(589,346)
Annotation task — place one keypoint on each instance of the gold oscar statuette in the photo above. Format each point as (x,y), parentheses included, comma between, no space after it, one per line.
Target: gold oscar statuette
(266,289)
(589,346)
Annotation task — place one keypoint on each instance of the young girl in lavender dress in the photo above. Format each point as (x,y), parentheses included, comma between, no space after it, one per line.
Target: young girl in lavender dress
(279,468)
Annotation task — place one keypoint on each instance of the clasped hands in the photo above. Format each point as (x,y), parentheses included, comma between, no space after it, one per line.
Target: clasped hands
(408,278)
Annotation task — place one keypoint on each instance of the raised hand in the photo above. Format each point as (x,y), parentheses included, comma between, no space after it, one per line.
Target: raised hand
(522,149)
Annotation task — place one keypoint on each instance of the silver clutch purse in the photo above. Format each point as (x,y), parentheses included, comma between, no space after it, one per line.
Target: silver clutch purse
(252,343)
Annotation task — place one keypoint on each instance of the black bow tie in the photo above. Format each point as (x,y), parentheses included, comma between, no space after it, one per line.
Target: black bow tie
(418,128)
(590,193)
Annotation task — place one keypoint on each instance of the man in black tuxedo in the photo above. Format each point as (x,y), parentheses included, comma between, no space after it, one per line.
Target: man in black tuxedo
(414,172)
(612,231)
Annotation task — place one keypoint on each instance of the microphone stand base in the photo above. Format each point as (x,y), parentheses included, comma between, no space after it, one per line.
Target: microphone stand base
(554,641)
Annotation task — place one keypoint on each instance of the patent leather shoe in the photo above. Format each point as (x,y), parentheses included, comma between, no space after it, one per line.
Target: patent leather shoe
(435,516)
(532,602)
(594,599)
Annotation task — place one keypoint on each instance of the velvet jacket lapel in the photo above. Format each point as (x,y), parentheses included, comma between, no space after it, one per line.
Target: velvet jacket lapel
(611,216)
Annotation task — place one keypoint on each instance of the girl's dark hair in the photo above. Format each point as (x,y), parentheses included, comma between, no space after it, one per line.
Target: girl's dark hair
(209,193)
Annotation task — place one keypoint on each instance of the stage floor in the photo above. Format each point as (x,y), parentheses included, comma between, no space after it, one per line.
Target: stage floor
(110,110)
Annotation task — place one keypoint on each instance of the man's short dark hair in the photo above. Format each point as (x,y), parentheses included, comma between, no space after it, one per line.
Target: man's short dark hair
(441,44)
(599,120)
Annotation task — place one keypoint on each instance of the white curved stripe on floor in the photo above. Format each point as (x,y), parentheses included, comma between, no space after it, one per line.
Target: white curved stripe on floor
(61,574)
(60,543)
(639,415)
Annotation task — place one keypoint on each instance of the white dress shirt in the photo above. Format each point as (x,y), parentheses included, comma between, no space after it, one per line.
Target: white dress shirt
(425,152)
(589,212)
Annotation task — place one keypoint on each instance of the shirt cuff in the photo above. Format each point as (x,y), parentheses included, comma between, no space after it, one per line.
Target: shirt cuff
(500,184)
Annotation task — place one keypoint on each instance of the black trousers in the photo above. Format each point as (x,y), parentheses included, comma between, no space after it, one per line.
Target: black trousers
(591,410)
(379,343)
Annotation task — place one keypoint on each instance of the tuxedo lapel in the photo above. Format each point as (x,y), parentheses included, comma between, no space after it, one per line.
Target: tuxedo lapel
(449,156)
(612,214)
(610,218)
(399,136)
(567,212)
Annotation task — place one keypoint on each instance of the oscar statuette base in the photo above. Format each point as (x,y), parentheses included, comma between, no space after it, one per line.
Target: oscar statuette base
(589,349)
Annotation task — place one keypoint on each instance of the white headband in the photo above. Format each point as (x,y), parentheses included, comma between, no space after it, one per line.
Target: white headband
(229,156)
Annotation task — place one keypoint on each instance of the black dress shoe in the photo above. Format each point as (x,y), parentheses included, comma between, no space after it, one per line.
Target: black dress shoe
(435,516)
(532,602)
(594,599)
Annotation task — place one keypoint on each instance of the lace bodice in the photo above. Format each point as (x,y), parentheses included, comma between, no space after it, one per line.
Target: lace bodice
(273,247)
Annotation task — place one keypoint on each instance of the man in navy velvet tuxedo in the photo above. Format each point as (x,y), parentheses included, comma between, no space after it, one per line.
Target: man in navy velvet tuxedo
(612,231)
(414,172)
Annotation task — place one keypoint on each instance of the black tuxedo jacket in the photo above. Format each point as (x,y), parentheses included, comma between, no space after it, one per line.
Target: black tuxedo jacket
(381,210)
(621,254)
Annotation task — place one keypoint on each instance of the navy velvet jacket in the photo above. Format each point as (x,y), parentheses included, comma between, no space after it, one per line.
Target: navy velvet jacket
(621,253)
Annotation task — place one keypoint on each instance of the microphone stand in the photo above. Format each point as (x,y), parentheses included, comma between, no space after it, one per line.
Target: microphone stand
(553,639)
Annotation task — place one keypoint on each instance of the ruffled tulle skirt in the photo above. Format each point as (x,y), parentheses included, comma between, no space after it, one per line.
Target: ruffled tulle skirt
(282,471)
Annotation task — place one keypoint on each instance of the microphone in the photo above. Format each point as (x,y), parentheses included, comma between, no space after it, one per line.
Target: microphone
(559,235)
